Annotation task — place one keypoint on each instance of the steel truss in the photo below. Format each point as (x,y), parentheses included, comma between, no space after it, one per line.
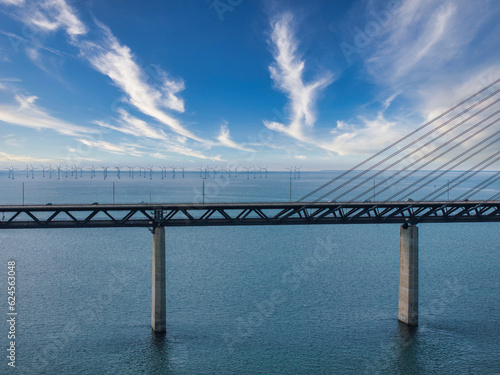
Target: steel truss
(225,214)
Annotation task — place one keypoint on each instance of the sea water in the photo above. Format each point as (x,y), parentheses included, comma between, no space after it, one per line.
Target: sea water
(254,300)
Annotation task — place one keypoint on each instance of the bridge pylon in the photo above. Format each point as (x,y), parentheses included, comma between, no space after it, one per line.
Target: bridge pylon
(158,291)
(408,275)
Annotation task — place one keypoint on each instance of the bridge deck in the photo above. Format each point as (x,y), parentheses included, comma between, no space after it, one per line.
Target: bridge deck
(224,214)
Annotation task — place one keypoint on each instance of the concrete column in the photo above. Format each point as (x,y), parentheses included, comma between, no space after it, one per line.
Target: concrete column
(408,275)
(159,298)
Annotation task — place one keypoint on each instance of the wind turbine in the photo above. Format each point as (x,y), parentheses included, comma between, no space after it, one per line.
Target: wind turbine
(32,170)
(265,168)
(104,171)
(92,171)
(182,168)
(173,167)
(118,171)
(298,172)
(201,172)
(50,170)
(27,171)
(131,172)
(43,171)
(162,169)
(248,172)
(11,171)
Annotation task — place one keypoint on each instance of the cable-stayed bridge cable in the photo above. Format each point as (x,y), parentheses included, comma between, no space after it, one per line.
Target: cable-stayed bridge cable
(405,156)
(405,137)
(479,187)
(433,159)
(443,172)
(438,191)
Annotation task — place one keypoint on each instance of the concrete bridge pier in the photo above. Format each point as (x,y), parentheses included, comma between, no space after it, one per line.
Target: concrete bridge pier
(159,298)
(408,275)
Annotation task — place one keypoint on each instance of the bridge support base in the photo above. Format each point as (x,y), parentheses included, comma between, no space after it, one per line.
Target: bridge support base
(408,275)
(159,303)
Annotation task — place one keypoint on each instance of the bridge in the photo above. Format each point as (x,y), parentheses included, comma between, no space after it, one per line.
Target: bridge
(342,200)
(226,214)
(158,216)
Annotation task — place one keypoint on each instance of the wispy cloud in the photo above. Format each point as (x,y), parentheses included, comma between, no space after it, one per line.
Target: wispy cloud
(116,61)
(29,115)
(158,139)
(287,74)
(429,43)
(153,93)
(423,34)
(225,139)
(10,158)
(111,147)
(12,2)
(52,15)
(365,138)
(12,140)
(131,125)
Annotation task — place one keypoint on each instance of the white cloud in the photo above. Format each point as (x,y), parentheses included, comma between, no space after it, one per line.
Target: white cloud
(133,126)
(438,96)
(225,139)
(12,2)
(10,158)
(152,92)
(12,140)
(130,125)
(424,42)
(183,150)
(29,115)
(432,55)
(420,35)
(116,61)
(286,72)
(111,147)
(368,138)
(52,15)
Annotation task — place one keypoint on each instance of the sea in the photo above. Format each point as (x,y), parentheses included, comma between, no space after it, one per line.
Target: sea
(317,299)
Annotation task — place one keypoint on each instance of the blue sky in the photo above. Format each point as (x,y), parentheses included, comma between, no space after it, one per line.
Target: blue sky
(317,84)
